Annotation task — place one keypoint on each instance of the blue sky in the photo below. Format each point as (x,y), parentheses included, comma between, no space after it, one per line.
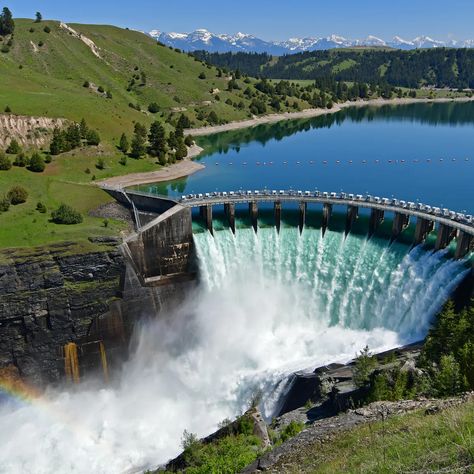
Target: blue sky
(269,19)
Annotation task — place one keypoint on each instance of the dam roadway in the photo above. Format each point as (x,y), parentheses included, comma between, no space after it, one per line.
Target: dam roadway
(450,224)
(163,243)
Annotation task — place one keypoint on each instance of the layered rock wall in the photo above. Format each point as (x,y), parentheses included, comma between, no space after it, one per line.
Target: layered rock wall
(49,297)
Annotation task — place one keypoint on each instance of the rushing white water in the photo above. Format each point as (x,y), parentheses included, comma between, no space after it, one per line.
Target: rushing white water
(267,305)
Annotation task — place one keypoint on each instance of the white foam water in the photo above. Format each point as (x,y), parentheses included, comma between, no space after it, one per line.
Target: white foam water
(268,304)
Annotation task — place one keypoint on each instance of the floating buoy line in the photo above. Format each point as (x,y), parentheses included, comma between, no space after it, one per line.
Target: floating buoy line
(349,162)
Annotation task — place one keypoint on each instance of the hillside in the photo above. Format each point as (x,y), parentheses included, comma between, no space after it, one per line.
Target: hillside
(439,67)
(48,80)
(96,72)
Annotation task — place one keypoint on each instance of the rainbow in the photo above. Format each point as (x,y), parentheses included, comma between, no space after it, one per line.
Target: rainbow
(14,387)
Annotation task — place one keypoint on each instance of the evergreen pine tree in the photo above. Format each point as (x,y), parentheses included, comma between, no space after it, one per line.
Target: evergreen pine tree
(181,149)
(73,136)
(183,122)
(57,143)
(5,163)
(157,139)
(7,25)
(138,145)
(38,17)
(83,129)
(124,145)
(37,163)
(93,138)
(13,148)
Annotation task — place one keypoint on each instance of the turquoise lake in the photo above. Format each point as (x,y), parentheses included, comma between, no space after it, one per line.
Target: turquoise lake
(414,152)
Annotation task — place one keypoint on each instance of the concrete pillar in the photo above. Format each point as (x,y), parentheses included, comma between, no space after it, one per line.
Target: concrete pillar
(464,243)
(400,223)
(327,211)
(277,211)
(302,215)
(253,210)
(423,228)
(206,214)
(229,209)
(444,236)
(351,216)
(376,218)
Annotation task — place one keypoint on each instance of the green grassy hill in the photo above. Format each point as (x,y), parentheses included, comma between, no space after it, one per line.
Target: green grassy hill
(48,80)
(43,74)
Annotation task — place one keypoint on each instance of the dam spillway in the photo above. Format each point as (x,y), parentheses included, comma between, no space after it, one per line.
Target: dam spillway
(350,281)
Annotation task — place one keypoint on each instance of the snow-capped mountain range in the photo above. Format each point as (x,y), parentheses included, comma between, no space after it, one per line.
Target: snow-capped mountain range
(205,40)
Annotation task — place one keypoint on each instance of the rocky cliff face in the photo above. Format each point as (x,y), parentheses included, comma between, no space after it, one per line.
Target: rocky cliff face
(29,131)
(49,297)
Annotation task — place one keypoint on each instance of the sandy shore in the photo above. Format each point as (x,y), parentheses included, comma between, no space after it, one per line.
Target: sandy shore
(188,167)
(309,113)
(180,169)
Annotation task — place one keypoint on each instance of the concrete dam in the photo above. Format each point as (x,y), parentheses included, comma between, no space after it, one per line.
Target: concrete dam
(162,248)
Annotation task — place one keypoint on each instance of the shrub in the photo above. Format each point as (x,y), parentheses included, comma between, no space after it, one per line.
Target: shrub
(13,148)
(47,29)
(31,30)
(101,89)
(5,163)
(291,430)
(108,95)
(448,380)
(257,107)
(93,138)
(17,195)
(123,160)
(202,75)
(8,110)
(153,108)
(5,49)
(189,140)
(21,160)
(40,207)
(245,425)
(213,118)
(65,214)
(100,165)
(4,204)
(41,44)
(86,84)
(48,159)
(37,163)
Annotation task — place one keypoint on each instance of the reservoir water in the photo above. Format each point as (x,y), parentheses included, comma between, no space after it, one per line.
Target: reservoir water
(418,151)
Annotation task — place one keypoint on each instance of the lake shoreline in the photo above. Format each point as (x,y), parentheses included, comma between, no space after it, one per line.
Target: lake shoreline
(311,113)
(188,166)
(181,169)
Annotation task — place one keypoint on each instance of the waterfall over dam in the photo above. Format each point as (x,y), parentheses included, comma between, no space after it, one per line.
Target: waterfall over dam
(266,304)
(351,281)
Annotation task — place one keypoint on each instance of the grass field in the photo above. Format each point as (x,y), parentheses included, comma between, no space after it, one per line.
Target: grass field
(415,443)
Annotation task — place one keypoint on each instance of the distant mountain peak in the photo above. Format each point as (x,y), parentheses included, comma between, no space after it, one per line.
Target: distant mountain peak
(247,43)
